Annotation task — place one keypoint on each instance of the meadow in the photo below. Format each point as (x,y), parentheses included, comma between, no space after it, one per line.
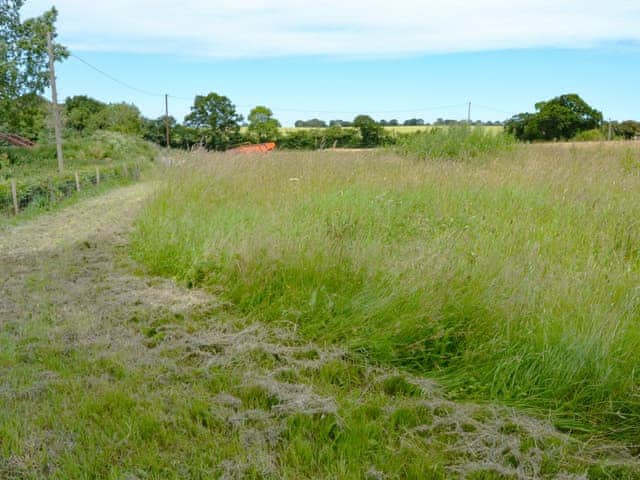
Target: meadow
(510,276)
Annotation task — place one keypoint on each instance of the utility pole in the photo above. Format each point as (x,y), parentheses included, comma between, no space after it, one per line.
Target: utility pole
(54,100)
(166,120)
(469,114)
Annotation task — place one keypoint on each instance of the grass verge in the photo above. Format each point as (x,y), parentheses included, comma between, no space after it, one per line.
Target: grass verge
(514,278)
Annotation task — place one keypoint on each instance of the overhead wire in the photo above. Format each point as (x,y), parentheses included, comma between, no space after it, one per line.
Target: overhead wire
(283,109)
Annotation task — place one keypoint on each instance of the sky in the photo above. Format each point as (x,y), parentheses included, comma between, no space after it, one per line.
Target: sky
(334,59)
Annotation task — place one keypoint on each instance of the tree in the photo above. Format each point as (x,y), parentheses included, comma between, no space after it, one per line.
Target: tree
(23,57)
(155,130)
(262,124)
(371,132)
(216,117)
(79,111)
(313,123)
(27,116)
(629,129)
(562,117)
(117,117)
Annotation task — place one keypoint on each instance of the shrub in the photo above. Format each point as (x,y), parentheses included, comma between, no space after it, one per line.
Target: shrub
(320,139)
(594,135)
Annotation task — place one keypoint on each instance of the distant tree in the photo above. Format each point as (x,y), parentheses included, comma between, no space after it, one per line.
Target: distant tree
(371,132)
(394,123)
(216,117)
(629,129)
(562,117)
(155,130)
(340,123)
(262,125)
(23,59)
(79,110)
(412,122)
(313,123)
(117,117)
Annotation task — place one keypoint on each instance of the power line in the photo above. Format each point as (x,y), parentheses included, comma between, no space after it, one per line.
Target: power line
(114,79)
(285,109)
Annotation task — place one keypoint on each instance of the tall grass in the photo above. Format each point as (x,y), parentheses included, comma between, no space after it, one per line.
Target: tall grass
(460,142)
(516,278)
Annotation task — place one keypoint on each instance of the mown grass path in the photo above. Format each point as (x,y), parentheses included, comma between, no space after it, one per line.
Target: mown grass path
(106,372)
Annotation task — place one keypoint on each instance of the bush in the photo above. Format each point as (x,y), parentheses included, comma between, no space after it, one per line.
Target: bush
(320,139)
(594,135)
(453,143)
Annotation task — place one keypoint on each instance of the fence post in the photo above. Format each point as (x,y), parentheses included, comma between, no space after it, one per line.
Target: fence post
(14,194)
(52,192)
(77,182)
(126,170)
(97,176)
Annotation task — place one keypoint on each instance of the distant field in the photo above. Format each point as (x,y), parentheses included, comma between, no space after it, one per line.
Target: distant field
(512,278)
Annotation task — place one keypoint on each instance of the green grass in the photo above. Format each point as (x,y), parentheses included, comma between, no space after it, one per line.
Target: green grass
(514,278)
(454,143)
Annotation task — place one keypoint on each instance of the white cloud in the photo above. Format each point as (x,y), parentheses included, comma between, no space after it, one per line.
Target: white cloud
(254,28)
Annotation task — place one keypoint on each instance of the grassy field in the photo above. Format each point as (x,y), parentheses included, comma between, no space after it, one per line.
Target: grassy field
(512,278)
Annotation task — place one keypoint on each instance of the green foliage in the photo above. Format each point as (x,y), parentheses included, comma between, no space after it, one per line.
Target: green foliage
(320,139)
(595,135)
(79,112)
(23,60)
(117,117)
(27,116)
(370,131)
(262,125)
(453,143)
(629,129)
(560,118)
(313,123)
(45,190)
(36,171)
(216,119)
(99,148)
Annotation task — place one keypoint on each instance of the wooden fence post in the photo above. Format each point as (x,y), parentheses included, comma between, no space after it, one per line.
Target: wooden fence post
(125,170)
(14,194)
(52,191)
(97,176)
(77,182)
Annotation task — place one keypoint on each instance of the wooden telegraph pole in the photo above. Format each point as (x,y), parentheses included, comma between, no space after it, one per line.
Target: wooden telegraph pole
(54,100)
(166,120)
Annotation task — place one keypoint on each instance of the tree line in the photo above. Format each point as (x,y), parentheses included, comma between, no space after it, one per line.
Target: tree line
(412,122)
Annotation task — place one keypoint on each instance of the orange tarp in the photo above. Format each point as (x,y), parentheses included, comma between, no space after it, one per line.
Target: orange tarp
(260,148)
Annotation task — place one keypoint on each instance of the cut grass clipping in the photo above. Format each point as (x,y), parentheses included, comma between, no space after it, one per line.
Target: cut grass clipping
(514,278)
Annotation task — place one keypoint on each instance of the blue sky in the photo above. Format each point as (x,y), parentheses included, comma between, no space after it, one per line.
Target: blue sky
(336,59)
